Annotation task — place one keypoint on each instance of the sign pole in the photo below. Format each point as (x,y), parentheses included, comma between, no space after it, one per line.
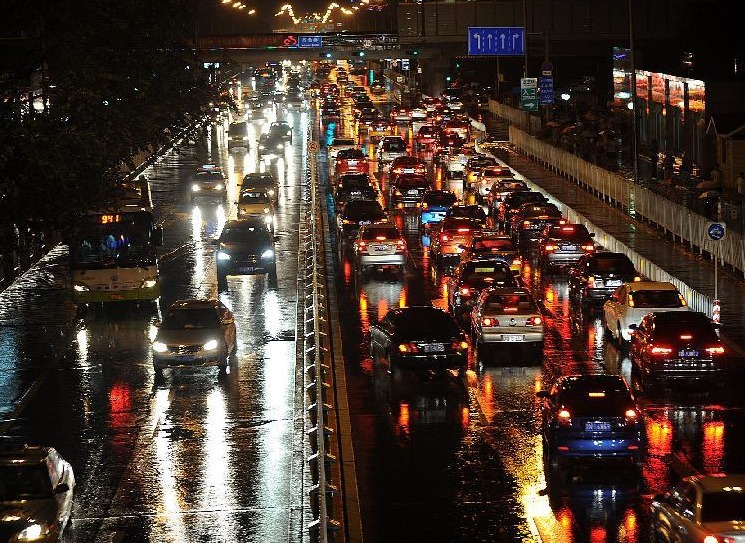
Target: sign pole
(716,231)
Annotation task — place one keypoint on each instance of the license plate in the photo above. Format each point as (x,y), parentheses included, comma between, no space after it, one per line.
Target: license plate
(351,163)
(246,269)
(185,358)
(116,296)
(380,248)
(688,353)
(569,247)
(356,192)
(365,222)
(408,170)
(513,337)
(433,347)
(597,426)
(413,191)
(613,283)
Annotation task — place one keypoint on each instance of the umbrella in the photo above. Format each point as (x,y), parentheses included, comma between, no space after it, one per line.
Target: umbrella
(708,184)
(709,194)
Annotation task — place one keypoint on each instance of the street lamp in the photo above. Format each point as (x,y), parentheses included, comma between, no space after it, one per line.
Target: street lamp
(632,103)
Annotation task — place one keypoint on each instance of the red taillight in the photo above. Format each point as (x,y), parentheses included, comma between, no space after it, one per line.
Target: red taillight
(549,248)
(444,237)
(510,310)
(489,321)
(361,245)
(718,539)
(465,291)
(408,348)
(526,224)
(717,349)
(637,279)
(564,417)
(400,245)
(463,230)
(660,351)
(533,321)
(591,281)
(686,337)
(460,345)
(588,248)
(631,416)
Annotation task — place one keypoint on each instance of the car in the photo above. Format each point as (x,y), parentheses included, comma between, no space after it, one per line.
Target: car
(357,213)
(195,332)
(380,247)
(245,247)
(377,88)
(591,416)
(529,222)
(407,190)
(461,127)
(350,161)
(366,120)
(380,128)
(563,245)
(427,136)
(400,115)
(504,211)
(337,144)
(469,279)
(433,206)
(208,184)
(406,164)
(504,314)
(421,339)
(430,103)
(632,301)
(597,275)
(238,135)
(36,493)
(469,211)
(451,141)
(700,508)
(489,177)
(678,347)
(451,233)
(353,186)
(330,112)
(473,168)
(256,203)
(270,146)
(491,245)
(281,130)
(262,181)
(389,148)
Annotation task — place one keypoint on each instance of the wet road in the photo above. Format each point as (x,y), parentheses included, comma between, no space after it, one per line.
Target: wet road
(196,456)
(450,460)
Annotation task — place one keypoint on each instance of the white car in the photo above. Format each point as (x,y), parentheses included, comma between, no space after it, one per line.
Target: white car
(631,302)
(455,164)
(493,174)
(338,144)
(418,114)
(389,148)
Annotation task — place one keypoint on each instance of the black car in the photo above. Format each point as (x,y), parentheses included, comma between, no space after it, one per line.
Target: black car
(355,214)
(420,339)
(271,146)
(504,210)
(245,247)
(471,211)
(529,222)
(281,130)
(591,416)
(596,276)
(262,181)
(564,245)
(353,186)
(407,190)
(679,346)
(473,276)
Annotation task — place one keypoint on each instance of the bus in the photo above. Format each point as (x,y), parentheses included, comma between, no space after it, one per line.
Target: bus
(113,254)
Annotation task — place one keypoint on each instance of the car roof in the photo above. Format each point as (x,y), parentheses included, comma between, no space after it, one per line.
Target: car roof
(664,317)
(651,285)
(248,222)
(717,482)
(194,303)
(20,453)
(581,381)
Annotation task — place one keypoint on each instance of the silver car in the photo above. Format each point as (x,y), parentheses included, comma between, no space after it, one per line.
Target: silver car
(506,315)
(36,493)
(380,246)
(195,333)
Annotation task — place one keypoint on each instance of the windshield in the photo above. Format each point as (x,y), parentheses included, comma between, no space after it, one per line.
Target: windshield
(487,272)
(111,240)
(254,198)
(238,129)
(363,208)
(472,212)
(256,234)
(354,181)
(350,153)
(656,298)
(488,245)
(723,506)
(23,483)
(380,234)
(412,181)
(601,400)
(517,300)
(185,319)
(258,181)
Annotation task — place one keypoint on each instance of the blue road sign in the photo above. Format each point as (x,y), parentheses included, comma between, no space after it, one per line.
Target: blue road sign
(309,41)
(496,40)
(546,84)
(716,231)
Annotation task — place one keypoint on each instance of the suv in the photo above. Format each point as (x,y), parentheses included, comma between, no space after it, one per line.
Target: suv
(262,181)
(37,493)
(503,212)
(281,130)
(530,220)
(245,247)
(681,346)
(407,190)
(358,213)
(350,161)
(597,275)
(564,244)
(353,186)
(238,135)
(406,165)
(389,148)
(470,278)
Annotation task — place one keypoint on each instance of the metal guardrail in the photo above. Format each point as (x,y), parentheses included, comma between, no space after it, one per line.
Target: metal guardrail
(319,384)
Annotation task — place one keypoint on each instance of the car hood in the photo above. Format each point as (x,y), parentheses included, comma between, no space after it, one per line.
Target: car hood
(252,248)
(190,336)
(23,512)
(734,529)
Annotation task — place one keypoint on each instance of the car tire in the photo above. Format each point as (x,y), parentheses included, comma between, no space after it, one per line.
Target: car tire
(272,276)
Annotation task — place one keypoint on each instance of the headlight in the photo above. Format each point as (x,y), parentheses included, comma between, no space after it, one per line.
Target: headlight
(269,253)
(33,532)
(267,210)
(219,186)
(211,345)
(271,192)
(222,255)
(280,146)
(149,283)
(80,288)
(195,188)
(159,347)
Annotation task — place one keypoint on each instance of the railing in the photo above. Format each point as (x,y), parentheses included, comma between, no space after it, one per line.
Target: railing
(319,377)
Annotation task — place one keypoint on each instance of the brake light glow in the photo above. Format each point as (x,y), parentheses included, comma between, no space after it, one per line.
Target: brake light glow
(465,291)
(444,237)
(400,245)
(526,224)
(564,417)
(380,238)
(637,279)
(534,321)
(567,229)
(463,230)
(460,345)
(588,247)
(596,394)
(425,205)
(408,348)
(716,539)
(659,351)
(686,337)
(591,281)
(718,349)
(510,309)
(631,416)
(488,321)
(361,245)
(550,248)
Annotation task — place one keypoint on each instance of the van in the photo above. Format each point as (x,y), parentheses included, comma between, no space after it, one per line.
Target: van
(238,135)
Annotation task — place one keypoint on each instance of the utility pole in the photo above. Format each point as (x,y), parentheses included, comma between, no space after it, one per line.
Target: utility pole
(634,143)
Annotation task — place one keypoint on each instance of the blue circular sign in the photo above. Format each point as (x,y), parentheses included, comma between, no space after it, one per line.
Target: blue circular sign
(716,231)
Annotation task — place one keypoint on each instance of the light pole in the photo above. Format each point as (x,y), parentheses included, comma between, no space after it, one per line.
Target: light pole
(634,143)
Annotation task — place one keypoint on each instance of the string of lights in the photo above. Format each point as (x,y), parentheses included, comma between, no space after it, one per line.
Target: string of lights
(287,10)
(239,6)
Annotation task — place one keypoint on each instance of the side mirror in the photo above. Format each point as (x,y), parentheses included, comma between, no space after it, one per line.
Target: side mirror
(543,394)
(62,488)
(276,238)
(156,323)
(633,326)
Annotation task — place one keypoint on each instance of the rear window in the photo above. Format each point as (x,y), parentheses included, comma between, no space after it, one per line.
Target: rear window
(238,128)
(518,301)
(472,212)
(613,264)
(537,211)
(342,141)
(496,271)
(354,181)
(412,181)
(184,319)
(657,298)
(723,506)
(359,208)
(394,146)
(575,232)
(253,197)
(458,223)
(380,233)
(350,153)
(425,322)
(596,401)
(493,245)
(701,331)
(440,198)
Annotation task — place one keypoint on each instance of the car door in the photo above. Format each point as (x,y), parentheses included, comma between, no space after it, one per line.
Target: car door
(613,308)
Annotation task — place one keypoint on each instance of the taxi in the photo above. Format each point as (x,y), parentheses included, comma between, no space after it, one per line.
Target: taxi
(256,202)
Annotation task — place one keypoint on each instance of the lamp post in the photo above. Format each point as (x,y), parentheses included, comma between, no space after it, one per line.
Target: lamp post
(632,103)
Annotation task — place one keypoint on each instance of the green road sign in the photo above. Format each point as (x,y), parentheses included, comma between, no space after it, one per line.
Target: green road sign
(529,99)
